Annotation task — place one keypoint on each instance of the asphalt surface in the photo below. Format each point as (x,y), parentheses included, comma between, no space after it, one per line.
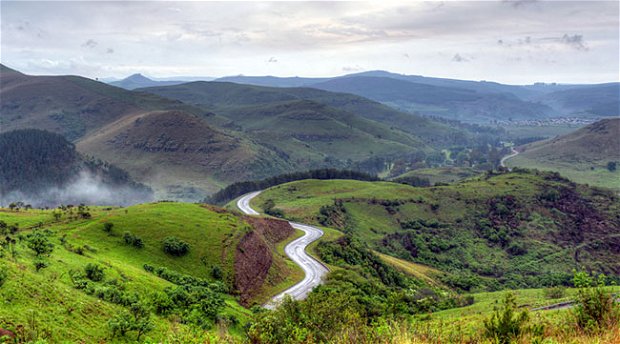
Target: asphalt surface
(296,250)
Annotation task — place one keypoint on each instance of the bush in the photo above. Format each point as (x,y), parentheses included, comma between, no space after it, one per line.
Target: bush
(505,325)
(40,263)
(39,243)
(175,246)
(595,310)
(133,240)
(94,272)
(107,227)
(555,292)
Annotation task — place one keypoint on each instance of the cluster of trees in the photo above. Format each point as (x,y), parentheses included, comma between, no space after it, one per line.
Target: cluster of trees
(237,189)
(33,159)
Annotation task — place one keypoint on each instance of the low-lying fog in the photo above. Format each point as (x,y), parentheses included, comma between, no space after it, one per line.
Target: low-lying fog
(86,188)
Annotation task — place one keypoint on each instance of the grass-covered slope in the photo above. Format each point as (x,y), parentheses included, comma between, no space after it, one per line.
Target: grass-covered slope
(519,229)
(59,303)
(582,155)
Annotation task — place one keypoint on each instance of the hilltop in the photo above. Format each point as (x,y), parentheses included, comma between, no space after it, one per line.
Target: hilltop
(510,230)
(138,80)
(582,155)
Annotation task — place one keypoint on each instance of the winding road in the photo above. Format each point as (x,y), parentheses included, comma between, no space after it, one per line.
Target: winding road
(296,250)
(514,153)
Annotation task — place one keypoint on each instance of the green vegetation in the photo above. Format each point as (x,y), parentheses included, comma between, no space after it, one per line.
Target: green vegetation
(91,277)
(496,231)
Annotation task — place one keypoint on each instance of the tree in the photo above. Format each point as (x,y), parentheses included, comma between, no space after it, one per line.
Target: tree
(40,244)
(611,166)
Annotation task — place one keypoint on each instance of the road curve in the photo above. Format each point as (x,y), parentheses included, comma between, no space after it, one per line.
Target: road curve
(296,250)
(514,153)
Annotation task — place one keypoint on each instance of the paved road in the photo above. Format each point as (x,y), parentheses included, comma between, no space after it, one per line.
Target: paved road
(296,250)
(514,153)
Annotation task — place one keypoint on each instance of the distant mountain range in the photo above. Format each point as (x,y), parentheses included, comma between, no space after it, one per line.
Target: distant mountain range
(138,80)
(469,101)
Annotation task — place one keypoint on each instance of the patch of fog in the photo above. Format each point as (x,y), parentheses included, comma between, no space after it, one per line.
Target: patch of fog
(86,188)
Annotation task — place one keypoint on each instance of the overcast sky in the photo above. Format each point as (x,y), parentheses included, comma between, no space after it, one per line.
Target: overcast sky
(515,42)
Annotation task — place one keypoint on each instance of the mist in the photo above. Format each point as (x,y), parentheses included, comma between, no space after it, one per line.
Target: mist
(86,188)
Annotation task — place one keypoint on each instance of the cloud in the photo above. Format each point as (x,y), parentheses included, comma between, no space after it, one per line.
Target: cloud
(109,51)
(351,69)
(458,58)
(520,3)
(575,41)
(272,60)
(91,43)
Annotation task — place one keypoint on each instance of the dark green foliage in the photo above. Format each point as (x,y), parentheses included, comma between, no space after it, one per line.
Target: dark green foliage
(217,273)
(414,181)
(94,272)
(107,227)
(347,251)
(506,324)
(595,309)
(269,208)
(612,166)
(40,263)
(34,159)
(4,276)
(175,246)
(237,189)
(133,240)
(195,300)
(39,243)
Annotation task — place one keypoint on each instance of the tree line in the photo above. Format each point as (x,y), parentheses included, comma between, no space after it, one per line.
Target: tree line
(240,188)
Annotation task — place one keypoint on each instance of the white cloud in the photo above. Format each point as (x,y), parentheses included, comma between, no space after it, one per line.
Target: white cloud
(513,41)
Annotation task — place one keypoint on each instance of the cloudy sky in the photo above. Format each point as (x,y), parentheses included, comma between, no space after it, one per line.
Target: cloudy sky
(516,42)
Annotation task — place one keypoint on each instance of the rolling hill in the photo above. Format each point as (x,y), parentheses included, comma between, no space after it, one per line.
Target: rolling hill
(230,261)
(181,151)
(235,100)
(509,230)
(42,169)
(582,155)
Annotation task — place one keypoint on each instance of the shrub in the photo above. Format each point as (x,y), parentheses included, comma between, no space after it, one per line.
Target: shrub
(39,243)
(175,246)
(40,263)
(595,309)
(94,272)
(555,292)
(505,325)
(107,227)
(133,240)
(612,166)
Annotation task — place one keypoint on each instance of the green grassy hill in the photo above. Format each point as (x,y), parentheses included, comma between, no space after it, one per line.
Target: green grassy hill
(519,229)
(229,258)
(582,155)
